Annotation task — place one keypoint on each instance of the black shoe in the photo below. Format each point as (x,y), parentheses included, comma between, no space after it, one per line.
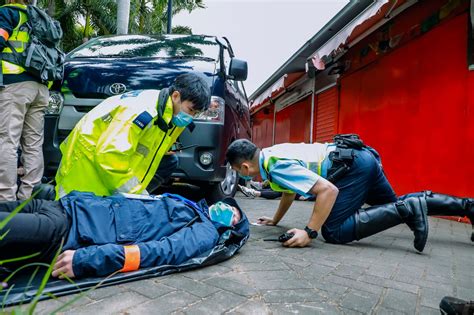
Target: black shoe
(453,306)
(418,222)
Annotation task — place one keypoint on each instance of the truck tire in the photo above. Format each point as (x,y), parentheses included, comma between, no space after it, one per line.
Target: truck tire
(226,188)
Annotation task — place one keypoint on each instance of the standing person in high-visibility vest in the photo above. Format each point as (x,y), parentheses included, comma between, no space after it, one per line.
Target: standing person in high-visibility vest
(23,100)
(119,145)
(343,176)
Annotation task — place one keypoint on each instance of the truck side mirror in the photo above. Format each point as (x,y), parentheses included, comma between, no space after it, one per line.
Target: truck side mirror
(238,69)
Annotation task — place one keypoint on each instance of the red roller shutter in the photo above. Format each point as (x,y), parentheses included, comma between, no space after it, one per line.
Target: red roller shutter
(293,122)
(326,107)
(262,127)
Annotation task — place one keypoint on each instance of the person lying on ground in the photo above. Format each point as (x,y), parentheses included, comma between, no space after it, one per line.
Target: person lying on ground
(344,175)
(103,235)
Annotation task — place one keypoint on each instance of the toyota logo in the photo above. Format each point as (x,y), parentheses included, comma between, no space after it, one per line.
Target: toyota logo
(117,88)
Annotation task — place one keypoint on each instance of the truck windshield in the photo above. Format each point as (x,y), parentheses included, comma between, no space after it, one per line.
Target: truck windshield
(147,46)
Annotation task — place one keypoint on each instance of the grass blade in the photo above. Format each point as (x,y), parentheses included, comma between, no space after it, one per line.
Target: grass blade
(18,258)
(45,279)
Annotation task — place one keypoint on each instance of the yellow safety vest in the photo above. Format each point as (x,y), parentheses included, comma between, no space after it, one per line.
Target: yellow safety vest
(311,155)
(19,40)
(116,147)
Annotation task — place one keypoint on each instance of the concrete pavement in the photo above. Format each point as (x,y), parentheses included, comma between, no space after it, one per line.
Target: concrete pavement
(381,275)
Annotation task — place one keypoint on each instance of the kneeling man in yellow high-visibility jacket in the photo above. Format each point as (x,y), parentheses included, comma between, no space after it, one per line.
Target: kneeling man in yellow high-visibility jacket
(118,145)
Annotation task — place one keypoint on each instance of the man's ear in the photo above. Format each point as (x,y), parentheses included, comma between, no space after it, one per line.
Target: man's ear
(176,96)
(176,99)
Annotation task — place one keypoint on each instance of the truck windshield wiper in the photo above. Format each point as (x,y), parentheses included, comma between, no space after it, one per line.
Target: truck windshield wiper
(147,57)
(191,57)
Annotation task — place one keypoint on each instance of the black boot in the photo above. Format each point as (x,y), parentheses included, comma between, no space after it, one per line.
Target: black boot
(452,306)
(380,218)
(441,204)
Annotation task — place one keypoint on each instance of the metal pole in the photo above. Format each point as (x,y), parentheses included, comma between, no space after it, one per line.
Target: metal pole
(311,127)
(274,122)
(123,16)
(170,7)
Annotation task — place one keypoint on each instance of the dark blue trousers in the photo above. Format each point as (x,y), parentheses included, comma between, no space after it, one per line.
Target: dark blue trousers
(364,183)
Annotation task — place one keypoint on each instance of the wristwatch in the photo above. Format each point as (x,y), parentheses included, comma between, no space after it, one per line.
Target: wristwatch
(311,233)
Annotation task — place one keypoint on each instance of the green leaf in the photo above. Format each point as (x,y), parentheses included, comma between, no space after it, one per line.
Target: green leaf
(32,277)
(4,234)
(18,259)
(45,279)
(10,276)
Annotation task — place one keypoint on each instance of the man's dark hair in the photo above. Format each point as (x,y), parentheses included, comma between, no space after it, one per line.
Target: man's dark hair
(193,88)
(240,150)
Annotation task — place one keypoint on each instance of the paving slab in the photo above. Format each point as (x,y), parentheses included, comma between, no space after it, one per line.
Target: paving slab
(380,275)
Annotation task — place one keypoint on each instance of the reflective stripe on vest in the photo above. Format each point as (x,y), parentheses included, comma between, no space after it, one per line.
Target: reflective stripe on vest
(312,155)
(273,186)
(19,39)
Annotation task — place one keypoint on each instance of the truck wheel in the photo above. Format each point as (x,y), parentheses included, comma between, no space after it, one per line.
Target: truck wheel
(226,188)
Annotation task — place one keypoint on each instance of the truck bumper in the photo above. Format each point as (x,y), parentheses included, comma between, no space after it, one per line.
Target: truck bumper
(209,136)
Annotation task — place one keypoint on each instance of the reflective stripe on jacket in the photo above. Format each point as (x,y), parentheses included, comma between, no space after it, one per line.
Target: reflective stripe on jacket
(116,147)
(19,39)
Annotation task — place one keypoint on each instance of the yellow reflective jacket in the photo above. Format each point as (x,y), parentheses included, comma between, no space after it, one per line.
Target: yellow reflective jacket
(19,40)
(116,147)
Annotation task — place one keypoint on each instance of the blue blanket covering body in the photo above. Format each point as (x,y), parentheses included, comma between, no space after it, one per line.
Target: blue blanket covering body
(173,233)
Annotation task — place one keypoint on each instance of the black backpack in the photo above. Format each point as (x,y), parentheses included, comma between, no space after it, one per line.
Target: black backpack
(42,57)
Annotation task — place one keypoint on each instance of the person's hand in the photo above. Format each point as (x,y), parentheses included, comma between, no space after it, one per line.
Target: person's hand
(63,266)
(301,239)
(265,221)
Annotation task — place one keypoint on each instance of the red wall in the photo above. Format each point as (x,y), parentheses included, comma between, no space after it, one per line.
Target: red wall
(415,105)
(326,112)
(293,123)
(262,127)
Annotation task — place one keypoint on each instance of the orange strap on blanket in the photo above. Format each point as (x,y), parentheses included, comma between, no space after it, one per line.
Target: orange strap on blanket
(132,258)
(4,34)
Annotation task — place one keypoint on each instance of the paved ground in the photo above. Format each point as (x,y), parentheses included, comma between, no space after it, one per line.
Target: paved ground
(381,275)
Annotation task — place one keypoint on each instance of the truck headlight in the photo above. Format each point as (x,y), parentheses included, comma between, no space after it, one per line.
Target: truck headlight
(215,112)
(56,102)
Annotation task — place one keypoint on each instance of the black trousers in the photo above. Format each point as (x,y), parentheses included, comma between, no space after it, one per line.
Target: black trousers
(270,194)
(38,228)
